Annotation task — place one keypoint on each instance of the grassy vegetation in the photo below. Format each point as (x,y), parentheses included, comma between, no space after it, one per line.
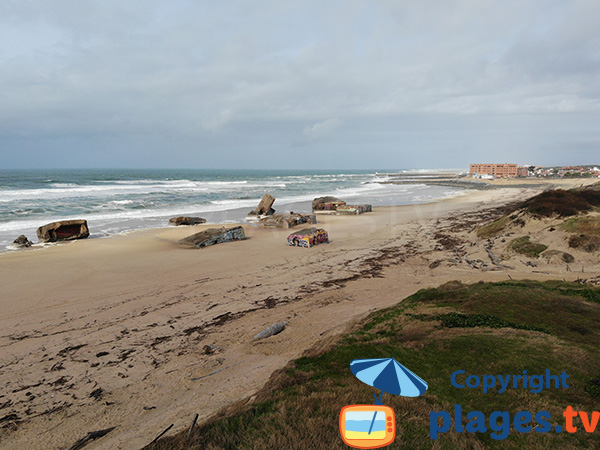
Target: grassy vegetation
(458,320)
(562,203)
(524,246)
(553,203)
(494,228)
(558,255)
(585,242)
(586,232)
(593,387)
(299,408)
(582,225)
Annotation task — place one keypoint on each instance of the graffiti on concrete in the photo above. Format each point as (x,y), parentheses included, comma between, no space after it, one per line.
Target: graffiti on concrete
(286,220)
(354,209)
(327,203)
(213,236)
(308,237)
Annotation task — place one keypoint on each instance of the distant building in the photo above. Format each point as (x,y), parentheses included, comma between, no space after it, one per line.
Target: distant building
(495,170)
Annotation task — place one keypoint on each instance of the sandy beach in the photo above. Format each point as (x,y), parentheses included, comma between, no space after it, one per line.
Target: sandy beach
(112,332)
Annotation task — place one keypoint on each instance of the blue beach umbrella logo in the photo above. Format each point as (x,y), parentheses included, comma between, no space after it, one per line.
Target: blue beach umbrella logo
(388,375)
(374,426)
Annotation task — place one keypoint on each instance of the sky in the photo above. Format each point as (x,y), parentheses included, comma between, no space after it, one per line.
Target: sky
(298,84)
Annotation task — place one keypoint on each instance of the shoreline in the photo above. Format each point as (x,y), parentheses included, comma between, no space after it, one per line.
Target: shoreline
(128,318)
(481,184)
(450,183)
(223,210)
(227,223)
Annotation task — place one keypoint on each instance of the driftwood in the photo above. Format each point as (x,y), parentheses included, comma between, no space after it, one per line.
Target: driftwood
(274,329)
(210,349)
(161,434)
(497,261)
(471,263)
(91,436)
(494,258)
(215,372)
(435,264)
(192,427)
(528,263)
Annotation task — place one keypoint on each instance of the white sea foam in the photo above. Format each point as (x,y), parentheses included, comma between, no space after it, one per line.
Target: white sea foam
(214,206)
(117,206)
(70,190)
(122,202)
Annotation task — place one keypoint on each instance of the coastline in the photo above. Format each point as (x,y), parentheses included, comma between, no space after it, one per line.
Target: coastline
(131,314)
(119,201)
(481,184)
(227,218)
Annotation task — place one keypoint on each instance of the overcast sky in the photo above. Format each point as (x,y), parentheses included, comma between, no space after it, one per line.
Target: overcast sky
(298,84)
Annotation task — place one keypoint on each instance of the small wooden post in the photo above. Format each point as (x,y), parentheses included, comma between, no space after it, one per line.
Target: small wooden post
(161,434)
(191,427)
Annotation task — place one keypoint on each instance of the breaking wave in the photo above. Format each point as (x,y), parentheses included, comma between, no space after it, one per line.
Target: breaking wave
(118,201)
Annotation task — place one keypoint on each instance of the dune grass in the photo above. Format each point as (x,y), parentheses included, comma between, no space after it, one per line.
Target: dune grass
(524,246)
(582,225)
(552,203)
(497,328)
(494,228)
(562,203)
(586,232)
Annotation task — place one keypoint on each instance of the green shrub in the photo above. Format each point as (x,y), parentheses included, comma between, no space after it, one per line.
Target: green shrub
(562,203)
(457,320)
(525,247)
(593,387)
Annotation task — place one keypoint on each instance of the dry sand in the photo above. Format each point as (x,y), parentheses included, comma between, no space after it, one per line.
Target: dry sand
(111,332)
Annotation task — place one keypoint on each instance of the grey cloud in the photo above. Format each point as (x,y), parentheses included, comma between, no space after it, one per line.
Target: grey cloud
(321,129)
(216,76)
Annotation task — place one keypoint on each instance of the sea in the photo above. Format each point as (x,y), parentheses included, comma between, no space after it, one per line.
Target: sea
(120,201)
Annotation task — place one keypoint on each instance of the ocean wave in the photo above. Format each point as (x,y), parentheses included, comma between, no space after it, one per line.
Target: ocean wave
(122,202)
(63,185)
(109,190)
(176,182)
(115,206)
(197,208)
(235,202)
(70,190)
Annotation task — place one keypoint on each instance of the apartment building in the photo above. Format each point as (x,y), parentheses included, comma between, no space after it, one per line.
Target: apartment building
(495,170)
